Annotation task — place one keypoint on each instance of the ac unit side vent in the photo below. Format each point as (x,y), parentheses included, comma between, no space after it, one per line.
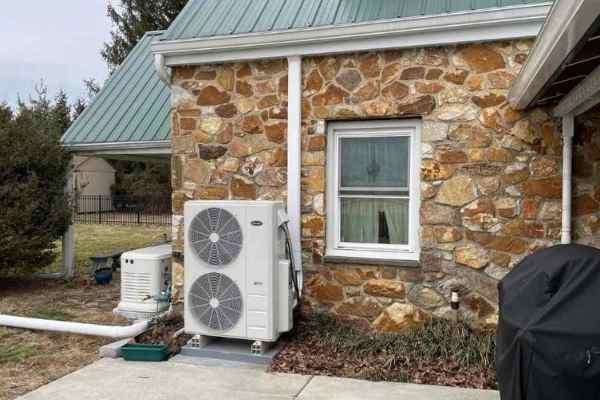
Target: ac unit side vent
(136,286)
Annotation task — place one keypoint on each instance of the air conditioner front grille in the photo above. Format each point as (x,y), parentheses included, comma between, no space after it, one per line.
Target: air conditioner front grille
(216,236)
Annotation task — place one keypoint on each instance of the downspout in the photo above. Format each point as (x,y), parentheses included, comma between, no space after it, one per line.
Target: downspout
(294,159)
(161,69)
(116,332)
(568,131)
(68,239)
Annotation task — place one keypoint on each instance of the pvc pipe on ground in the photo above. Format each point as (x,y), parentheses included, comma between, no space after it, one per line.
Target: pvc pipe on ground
(568,131)
(116,332)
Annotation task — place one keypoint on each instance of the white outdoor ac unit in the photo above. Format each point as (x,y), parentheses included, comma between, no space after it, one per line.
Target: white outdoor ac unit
(145,279)
(237,275)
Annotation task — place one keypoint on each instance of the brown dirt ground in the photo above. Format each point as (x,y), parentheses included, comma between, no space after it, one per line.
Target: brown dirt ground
(30,359)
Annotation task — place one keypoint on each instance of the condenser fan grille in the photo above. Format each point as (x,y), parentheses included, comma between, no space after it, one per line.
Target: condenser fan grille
(215,301)
(216,236)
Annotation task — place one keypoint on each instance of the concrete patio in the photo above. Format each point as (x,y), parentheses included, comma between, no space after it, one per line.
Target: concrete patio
(185,378)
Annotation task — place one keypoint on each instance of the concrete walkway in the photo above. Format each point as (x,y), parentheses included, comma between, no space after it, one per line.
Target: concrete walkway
(184,379)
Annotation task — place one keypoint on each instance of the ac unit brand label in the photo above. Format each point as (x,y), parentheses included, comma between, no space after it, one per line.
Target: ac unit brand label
(256,223)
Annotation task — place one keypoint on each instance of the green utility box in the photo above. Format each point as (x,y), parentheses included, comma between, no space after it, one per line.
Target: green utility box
(145,352)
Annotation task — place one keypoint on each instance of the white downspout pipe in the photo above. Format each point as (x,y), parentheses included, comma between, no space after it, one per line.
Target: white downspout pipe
(294,159)
(568,131)
(116,332)
(68,239)
(161,69)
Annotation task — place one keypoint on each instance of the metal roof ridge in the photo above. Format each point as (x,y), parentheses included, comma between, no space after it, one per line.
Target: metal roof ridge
(363,23)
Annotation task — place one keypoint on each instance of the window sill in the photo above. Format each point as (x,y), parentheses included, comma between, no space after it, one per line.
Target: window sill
(371,261)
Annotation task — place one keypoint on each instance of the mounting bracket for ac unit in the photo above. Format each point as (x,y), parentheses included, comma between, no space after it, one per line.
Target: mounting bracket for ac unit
(200,341)
(260,347)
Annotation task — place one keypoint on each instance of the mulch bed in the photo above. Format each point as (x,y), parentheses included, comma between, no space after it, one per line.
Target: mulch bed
(440,353)
(163,333)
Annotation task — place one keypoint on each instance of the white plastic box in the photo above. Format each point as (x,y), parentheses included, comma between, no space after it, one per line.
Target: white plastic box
(145,277)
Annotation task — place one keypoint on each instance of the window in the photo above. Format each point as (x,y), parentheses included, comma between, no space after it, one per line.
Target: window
(373,189)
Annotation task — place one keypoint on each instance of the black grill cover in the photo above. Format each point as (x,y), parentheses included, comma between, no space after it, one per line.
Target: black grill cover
(548,344)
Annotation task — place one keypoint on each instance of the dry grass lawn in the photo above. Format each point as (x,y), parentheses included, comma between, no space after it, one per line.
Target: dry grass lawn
(31,359)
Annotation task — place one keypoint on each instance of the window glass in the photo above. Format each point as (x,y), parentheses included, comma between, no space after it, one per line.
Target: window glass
(377,162)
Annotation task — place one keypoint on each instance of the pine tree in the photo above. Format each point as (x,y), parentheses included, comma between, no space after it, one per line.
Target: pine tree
(35,209)
(131,20)
(61,113)
(6,114)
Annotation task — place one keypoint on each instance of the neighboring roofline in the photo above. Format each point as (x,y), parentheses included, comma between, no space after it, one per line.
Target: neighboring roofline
(567,23)
(460,27)
(131,148)
(98,99)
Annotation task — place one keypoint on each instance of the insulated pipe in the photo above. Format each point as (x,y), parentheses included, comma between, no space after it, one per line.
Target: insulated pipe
(568,130)
(116,332)
(294,157)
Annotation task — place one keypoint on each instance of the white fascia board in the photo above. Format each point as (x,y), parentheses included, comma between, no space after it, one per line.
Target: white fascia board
(568,21)
(463,27)
(160,147)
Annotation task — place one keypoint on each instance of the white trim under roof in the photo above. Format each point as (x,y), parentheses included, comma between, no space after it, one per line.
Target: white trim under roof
(432,30)
(568,21)
(159,147)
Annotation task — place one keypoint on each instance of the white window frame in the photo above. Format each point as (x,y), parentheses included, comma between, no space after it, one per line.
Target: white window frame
(378,128)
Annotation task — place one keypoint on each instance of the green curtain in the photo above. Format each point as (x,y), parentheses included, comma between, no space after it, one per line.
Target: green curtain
(361,220)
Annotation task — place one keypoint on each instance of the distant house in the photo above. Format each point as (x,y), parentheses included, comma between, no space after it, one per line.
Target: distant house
(92,176)
(421,146)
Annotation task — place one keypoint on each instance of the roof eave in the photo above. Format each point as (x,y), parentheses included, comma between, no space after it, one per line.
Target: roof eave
(567,23)
(472,26)
(158,147)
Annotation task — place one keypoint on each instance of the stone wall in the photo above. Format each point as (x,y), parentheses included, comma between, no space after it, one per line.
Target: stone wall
(490,175)
(586,174)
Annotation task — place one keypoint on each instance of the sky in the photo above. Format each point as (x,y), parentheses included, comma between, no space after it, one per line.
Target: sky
(58,41)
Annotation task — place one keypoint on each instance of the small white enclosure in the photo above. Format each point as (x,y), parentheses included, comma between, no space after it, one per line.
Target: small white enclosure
(145,278)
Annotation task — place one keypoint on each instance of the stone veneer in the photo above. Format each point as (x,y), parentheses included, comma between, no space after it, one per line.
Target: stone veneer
(491,183)
(586,172)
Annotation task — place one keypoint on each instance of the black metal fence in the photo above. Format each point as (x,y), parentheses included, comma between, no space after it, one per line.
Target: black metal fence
(123,210)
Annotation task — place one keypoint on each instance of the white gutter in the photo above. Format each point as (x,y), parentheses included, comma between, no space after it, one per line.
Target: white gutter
(132,148)
(461,27)
(567,23)
(294,159)
(116,332)
(568,132)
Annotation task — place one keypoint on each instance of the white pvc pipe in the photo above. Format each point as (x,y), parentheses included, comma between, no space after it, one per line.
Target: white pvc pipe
(568,128)
(116,332)
(294,159)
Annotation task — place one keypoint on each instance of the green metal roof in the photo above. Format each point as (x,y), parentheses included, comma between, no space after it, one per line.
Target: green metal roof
(206,18)
(133,105)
